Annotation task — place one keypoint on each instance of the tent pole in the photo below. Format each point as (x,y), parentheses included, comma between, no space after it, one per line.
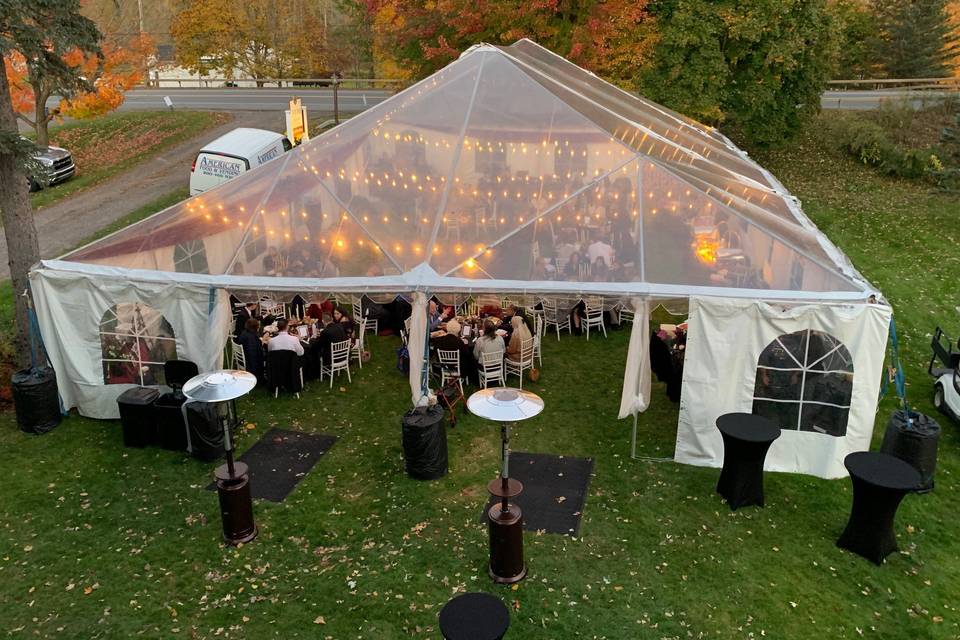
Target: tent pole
(633,437)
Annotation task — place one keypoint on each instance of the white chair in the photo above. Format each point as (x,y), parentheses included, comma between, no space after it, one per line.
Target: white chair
(356,351)
(525,362)
(371,325)
(552,317)
(626,314)
(537,338)
(339,361)
(594,318)
(271,308)
(491,368)
(449,367)
(406,325)
(239,357)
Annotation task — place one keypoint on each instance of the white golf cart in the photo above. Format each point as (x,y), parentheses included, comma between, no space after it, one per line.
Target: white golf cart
(946,393)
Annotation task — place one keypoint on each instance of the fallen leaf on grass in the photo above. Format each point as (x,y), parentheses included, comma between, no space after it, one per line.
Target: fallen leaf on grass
(319,620)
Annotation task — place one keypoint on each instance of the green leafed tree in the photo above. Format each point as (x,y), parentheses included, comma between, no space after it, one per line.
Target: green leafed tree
(757,67)
(40,31)
(857,27)
(914,38)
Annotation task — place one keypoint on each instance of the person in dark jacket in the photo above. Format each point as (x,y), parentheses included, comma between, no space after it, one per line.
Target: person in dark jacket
(332,332)
(249,341)
(247,311)
(450,340)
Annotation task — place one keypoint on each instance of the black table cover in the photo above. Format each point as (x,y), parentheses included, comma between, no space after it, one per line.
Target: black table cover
(880,481)
(474,616)
(746,439)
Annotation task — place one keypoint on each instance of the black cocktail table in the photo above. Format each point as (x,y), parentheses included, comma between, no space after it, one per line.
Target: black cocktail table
(879,483)
(746,439)
(474,616)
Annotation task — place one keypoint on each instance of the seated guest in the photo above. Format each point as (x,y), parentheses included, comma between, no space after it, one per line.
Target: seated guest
(341,316)
(519,334)
(249,341)
(332,332)
(435,316)
(284,340)
(600,249)
(450,340)
(489,342)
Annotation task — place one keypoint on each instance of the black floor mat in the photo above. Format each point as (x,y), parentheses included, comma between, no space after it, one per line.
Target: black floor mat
(554,490)
(280,459)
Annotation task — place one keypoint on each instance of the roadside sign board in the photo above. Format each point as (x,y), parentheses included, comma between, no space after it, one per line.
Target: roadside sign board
(297,128)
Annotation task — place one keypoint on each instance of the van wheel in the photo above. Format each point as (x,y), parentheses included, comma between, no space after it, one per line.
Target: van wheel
(938,398)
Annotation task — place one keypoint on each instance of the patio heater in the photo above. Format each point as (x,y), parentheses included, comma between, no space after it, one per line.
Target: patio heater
(505,520)
(222,388)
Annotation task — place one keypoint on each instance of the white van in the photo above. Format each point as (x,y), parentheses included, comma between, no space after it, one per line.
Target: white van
(233,154)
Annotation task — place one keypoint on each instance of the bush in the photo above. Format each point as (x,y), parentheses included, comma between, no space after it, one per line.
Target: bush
(872,145)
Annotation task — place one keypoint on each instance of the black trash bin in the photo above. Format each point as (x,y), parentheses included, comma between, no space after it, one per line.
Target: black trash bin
(206,434)
(915,443)
(36,399)
(425,443)
(171,431)
(137,417)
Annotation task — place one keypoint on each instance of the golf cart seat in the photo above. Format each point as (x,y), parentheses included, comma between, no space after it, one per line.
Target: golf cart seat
(942,347)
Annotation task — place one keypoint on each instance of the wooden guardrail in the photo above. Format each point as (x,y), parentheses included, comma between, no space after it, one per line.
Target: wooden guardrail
(903,84)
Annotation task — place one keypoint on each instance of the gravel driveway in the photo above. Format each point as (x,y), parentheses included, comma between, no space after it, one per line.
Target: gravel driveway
(66,223)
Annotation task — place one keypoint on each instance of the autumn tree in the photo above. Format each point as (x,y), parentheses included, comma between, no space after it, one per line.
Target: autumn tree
(41,32)
(258,38)
(106,74)
(857,29)
(915,38)
(758,66)
(611,38)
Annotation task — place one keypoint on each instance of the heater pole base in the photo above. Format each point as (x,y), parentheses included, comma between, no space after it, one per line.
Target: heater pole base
(506,542)
(236,504)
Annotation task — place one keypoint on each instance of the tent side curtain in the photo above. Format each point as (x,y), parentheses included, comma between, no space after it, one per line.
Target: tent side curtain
(106,335)
(812,369)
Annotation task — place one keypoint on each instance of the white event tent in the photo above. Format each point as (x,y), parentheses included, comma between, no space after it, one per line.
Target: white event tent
(487,177)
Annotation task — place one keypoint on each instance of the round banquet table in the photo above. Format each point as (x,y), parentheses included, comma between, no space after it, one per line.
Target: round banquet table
(880,481)
(474,616)
(746,439)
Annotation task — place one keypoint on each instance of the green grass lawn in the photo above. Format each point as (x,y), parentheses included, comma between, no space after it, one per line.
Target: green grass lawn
(105,146)
(101,541)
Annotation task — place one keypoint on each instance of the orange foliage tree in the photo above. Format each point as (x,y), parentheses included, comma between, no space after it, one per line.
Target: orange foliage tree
(108,76)
(610,37)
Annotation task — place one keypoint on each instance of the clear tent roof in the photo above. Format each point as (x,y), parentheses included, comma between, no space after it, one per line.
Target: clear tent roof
(510,164)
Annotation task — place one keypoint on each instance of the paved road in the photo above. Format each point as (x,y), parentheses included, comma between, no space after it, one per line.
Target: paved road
(238,99)
(357,100)
(868,100)
(64,224)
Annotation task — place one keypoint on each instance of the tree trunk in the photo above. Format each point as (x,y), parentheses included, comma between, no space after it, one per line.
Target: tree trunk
(23,248)
(41,120)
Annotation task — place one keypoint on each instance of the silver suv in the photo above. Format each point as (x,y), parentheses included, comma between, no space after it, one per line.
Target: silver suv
(57,164)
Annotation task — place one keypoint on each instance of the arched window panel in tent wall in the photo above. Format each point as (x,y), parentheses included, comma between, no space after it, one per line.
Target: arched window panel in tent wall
(135,342)
(805,382)
(390,170)
(218,219)
(519,159)
(690,238)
